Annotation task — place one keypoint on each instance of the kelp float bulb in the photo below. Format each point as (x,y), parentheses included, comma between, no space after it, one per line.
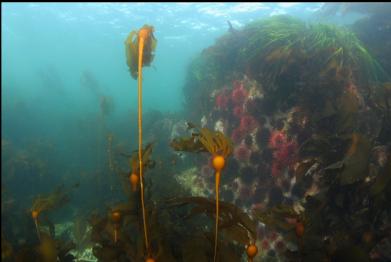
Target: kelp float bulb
(116,218)
(134,179)
(34,215)
(218,163)
(251,251)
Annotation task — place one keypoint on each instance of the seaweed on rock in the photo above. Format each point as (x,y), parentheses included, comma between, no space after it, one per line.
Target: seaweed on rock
(289,57)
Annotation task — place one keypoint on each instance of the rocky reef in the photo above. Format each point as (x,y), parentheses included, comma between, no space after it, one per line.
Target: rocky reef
(300,105)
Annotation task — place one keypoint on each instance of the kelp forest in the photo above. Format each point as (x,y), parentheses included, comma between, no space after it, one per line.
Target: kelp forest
(282,152)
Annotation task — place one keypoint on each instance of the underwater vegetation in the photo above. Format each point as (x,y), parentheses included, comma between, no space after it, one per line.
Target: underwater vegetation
(139,48)
(235,224)
(301,104)
(140,45)
(43,204)
(220,148)
(49,247)
(377,41)
(284,49)
(287,157)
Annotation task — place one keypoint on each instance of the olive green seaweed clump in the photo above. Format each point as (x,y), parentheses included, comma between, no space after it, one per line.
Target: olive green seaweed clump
(280,42)
(288,56)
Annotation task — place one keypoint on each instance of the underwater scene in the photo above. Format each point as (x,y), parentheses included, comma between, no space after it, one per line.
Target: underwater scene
(195,132)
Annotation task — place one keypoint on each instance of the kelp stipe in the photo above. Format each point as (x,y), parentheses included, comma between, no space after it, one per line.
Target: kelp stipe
(220,147)
(140,45)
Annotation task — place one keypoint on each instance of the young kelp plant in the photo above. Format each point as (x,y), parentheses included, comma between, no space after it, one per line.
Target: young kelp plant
(132,176)
(54,200)
(141,46)
(220,147)
(146,161)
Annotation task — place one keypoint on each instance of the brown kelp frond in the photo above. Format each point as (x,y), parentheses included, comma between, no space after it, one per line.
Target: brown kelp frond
(132,175)
(134,162)
(213,142)
(356,161)
(277,216)
(236,223)
(54,200)
(131,47)
(285,219)
(188,144)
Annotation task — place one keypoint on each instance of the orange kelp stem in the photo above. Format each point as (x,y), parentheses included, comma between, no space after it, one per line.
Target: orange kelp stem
(218,164)
(142,35)
(217,211)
